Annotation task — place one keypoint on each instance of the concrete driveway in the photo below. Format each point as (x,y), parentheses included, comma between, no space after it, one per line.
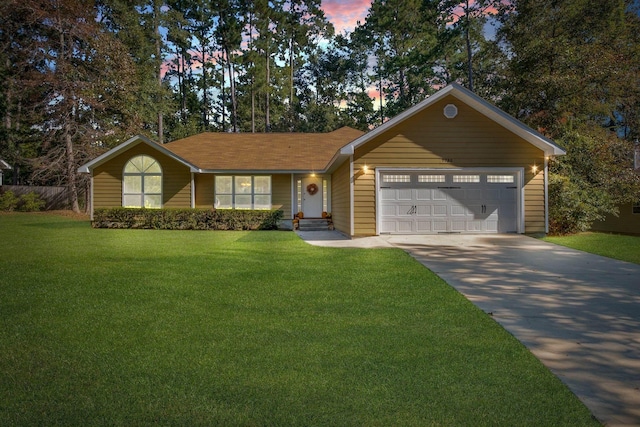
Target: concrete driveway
(578,313)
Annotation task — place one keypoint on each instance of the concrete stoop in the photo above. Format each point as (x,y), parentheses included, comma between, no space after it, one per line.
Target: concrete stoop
(313,224)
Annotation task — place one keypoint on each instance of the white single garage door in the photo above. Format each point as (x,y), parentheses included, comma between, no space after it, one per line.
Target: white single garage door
(425,202)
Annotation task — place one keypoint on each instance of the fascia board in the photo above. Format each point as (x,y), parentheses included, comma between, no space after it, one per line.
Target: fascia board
(258,171)
(88,167)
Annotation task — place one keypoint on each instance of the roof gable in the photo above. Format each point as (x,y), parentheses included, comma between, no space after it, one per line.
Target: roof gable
(472,100)
(131,142)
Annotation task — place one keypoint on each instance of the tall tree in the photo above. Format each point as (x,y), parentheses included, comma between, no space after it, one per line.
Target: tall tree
(573,66)
(402,36)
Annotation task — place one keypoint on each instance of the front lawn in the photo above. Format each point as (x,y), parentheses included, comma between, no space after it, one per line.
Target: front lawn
(142,327)
(625,248)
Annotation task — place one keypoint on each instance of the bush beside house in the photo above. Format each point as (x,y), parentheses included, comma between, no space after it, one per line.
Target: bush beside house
(187,219)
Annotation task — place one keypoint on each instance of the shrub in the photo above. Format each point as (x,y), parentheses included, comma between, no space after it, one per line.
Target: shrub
(187,219)
(8,201)
(31,202)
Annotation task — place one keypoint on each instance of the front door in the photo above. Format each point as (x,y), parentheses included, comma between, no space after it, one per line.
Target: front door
(312,197)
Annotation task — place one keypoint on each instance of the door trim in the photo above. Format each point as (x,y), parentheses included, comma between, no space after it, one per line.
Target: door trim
(518,171)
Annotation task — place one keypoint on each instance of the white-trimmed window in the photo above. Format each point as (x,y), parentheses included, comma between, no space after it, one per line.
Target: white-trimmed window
(243,192)
(142,183)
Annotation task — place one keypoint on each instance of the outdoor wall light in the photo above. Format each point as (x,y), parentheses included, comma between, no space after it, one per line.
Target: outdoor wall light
(365,168)
(534,169)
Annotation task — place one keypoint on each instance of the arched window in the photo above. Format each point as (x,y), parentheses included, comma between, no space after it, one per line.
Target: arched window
(142,183)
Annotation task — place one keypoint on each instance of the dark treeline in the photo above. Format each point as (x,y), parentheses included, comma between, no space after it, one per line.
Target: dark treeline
(80,76)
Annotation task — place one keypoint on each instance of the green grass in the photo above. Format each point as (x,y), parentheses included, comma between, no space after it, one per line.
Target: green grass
(625,248)
(141,327)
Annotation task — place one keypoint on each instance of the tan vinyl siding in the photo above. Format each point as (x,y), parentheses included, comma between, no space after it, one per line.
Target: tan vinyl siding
(625,223)
(204,190)
(430,140)
(340,199)
(107,179)
(281,194)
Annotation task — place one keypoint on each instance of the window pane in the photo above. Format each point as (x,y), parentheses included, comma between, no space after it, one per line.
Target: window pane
(466,178)
(396,178)
(224,201)
(134,165)
(431,178)
(500,179)
(150,165)
(243,202)
(262,202)
(223,185)
(132,201)
(153,184)
(262,184)
(132,184)
(243,185)
(152,201)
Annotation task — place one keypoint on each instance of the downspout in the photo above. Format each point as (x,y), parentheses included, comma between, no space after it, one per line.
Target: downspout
(193,191)
(91,194)
(352,181)
(546,194)
(294,202)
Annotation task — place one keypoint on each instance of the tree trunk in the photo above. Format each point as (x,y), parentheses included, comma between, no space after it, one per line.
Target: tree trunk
(267,123)
(468,42)
(232,90)
(291,74)
(156,16)
(205,89)
(71,169)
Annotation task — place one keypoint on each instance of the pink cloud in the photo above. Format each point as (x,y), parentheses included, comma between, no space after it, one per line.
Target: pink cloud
(345,14)
(459,10)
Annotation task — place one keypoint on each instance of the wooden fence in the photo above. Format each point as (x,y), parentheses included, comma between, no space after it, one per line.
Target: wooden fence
(55,197)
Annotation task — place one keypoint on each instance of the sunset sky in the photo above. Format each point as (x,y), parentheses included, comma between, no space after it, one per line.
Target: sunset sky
(344,14)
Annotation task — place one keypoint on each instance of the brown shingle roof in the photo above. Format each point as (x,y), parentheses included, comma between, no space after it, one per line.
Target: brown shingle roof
(262,151)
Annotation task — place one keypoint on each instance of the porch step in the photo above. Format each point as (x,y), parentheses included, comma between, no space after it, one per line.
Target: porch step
(313,224)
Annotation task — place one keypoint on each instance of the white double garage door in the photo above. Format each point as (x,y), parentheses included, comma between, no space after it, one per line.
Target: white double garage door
(440,201)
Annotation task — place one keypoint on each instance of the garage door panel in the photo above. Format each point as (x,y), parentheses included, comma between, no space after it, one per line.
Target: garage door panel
(404,194)
(389,210)
(405,226)
(458,225)
(387,194)
(423,194)
(438,195)
(424,226)
(420,205)
(475,225)
(474,195)
(440,226)
(458,210)
(439,210)
(423,210)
